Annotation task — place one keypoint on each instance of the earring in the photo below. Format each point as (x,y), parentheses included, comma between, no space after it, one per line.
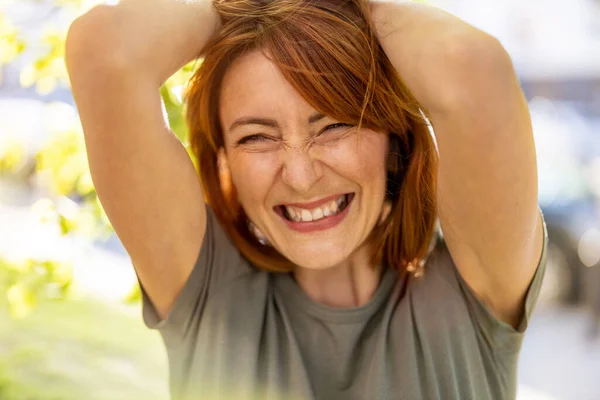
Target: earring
(262,239)
(416,267)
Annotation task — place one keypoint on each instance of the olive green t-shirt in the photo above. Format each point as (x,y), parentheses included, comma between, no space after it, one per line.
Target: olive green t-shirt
(237,332)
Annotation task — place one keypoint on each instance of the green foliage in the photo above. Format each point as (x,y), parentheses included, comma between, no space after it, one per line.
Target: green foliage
(134,296)
(172,92)
(28,281)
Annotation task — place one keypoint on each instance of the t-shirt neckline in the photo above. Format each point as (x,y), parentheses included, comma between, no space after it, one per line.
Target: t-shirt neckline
(299,300)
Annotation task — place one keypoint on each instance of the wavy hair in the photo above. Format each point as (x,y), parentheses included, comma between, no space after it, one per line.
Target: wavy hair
(328,51)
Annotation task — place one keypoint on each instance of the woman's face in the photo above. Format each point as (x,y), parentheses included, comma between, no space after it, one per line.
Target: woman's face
(314,186)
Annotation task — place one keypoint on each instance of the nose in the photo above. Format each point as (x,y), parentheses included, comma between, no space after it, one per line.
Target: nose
(300,170)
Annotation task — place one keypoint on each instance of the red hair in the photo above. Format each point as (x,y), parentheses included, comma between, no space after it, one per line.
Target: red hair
(328,51)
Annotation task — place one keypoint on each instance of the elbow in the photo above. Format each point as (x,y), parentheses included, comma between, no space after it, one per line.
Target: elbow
(477,50)
(476,65)
(93,44)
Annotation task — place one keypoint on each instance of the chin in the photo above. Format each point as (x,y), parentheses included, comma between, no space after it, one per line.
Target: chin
(319,256)
(319,264)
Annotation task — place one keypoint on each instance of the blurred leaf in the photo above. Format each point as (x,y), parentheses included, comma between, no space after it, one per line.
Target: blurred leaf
(172,93)
(20,300)
(85,185)
(26,282)
(12,156)
(11,46)
(16,266)
(176,118)
(63,162)
(66,225)
(134,296)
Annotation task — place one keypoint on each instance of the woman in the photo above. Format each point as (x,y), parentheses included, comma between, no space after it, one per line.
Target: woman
(307,273)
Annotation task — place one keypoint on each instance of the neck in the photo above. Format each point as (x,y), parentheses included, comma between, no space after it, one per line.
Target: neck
(352,283)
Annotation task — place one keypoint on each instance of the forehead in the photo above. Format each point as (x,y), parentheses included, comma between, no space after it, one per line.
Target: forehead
(253,85)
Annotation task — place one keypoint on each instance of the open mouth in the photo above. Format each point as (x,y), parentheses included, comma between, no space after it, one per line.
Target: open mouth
(327,210)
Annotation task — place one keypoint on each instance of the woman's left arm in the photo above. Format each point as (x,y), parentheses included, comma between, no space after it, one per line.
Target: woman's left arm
(487,183)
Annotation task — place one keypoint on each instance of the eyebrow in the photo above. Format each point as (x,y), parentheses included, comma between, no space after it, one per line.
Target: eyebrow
(269,122)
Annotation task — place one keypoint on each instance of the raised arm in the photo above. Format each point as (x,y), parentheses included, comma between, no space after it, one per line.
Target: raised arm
(487,185)
(117,58)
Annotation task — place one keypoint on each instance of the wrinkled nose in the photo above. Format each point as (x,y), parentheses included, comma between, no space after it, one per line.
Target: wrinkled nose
(301,171)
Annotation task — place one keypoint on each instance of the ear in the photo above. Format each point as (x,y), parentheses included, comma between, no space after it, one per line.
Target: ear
(224,172)
(385,210)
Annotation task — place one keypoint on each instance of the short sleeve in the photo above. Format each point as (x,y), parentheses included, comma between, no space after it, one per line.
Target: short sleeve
(495,331)
(218,262)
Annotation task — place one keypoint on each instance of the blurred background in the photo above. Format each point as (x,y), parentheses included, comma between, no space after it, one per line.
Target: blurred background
(70,318)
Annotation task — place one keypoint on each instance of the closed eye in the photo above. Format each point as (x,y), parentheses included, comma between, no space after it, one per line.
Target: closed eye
(254,139)
(335,126)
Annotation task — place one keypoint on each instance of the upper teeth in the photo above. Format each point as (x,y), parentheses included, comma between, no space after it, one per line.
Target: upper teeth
(326,210)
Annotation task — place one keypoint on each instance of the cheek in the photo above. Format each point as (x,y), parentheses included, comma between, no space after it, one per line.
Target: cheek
(361,157)
(252,175)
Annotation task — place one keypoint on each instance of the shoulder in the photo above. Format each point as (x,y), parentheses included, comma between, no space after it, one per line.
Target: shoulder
(442,293)
(438,271)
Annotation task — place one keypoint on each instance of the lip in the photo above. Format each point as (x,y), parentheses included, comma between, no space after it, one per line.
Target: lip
(322,224)
(316,203)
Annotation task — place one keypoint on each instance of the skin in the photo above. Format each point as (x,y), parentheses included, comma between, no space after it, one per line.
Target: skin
(299,162)
(118,57)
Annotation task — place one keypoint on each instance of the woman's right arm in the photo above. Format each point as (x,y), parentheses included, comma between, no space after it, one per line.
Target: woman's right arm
(117,58)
